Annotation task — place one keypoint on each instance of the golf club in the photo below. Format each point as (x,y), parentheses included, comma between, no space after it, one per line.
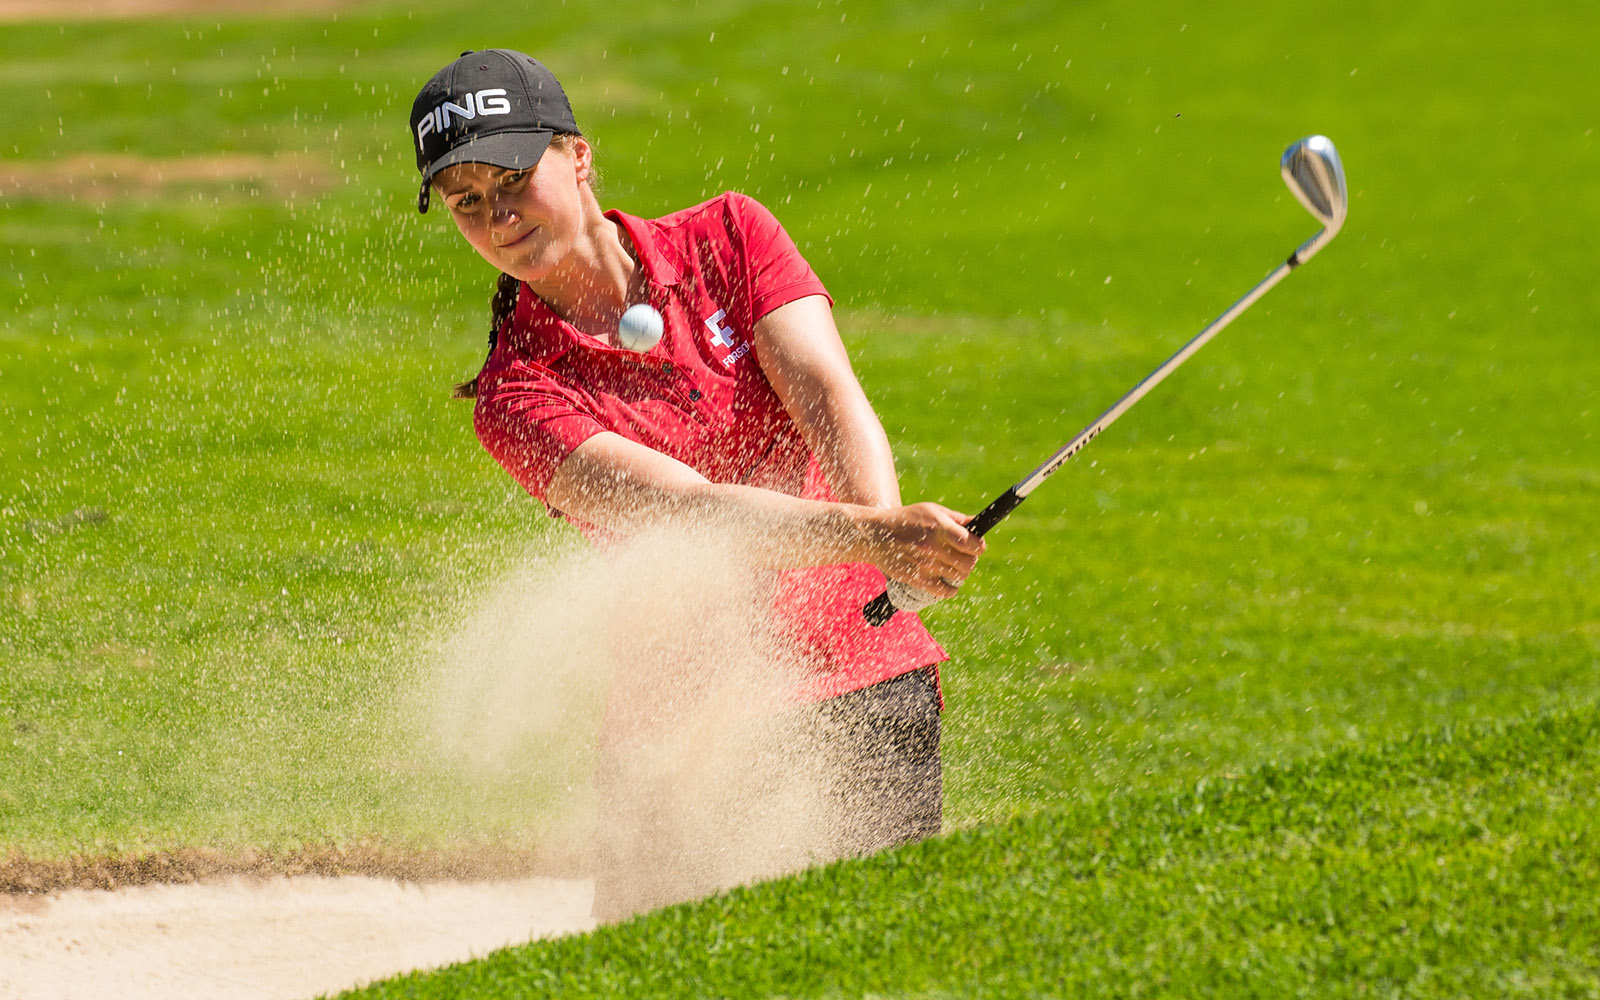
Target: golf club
(1313,172)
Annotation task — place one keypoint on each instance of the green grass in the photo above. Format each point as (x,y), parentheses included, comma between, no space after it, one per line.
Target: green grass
(237,510)
(1456,863)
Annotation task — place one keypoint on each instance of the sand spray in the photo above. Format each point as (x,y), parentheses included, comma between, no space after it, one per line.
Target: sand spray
(642,691)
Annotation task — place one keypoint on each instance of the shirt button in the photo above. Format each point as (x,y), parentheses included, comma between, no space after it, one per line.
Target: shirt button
(666,366)
(694,394)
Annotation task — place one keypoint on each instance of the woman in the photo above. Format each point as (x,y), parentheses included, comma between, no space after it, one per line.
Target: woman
(745,421)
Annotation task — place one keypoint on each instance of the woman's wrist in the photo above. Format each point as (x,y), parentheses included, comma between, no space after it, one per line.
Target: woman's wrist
(862,532)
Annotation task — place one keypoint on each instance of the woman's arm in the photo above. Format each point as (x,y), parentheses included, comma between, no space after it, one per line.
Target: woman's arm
(804,359)
(621,484)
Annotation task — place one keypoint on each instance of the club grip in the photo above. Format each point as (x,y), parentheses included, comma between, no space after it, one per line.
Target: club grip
(879,610)
(882,608)
(996,512)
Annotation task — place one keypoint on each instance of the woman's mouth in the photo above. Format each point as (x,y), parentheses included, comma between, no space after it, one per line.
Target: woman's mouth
(517,239)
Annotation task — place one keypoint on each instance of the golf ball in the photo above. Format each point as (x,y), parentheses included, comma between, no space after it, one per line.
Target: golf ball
(640,328)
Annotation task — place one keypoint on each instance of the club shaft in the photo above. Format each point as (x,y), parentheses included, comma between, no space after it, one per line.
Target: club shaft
(1312,170)
(1029,482)
(880,609)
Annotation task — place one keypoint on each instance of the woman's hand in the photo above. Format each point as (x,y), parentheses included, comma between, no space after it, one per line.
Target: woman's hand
(924,545)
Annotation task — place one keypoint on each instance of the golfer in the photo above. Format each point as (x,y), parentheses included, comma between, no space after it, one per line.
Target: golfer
(744,420)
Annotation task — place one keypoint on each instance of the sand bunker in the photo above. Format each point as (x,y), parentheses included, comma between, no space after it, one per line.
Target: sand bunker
(257,939)
(638,695)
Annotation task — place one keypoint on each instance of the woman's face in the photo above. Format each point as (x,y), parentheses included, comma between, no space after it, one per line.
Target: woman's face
(524,222)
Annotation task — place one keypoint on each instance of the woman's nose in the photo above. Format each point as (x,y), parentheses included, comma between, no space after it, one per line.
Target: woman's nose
(503,212)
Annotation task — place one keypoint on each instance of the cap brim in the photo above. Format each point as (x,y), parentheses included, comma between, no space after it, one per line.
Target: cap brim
(511,150)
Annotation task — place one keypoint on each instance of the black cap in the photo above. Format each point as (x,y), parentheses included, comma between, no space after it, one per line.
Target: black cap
(497,106)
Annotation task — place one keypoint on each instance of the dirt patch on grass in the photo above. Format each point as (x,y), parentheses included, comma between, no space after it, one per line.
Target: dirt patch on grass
(79,10)
(98,177)
(20,874)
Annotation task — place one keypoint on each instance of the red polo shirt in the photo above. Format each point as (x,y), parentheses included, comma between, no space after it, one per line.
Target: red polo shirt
(701,397)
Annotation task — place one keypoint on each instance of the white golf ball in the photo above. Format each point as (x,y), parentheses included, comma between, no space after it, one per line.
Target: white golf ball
(640,328)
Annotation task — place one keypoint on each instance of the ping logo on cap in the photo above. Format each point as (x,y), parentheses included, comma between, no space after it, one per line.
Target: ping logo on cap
(482,103)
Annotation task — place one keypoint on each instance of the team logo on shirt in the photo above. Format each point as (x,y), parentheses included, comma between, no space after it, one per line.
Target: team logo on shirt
(725,342)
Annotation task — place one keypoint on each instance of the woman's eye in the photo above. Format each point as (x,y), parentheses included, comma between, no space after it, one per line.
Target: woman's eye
(513,179)
(466,202)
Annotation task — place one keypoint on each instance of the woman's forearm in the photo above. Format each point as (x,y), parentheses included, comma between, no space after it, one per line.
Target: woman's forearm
(925,544)
(626,487)
(773,529)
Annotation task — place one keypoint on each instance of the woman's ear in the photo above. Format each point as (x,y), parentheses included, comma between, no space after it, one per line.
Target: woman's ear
(582,158)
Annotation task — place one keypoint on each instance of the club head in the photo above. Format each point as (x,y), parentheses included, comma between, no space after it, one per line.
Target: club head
(1313,172)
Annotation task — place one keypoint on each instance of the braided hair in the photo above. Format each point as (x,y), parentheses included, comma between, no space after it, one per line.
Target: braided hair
(501,305)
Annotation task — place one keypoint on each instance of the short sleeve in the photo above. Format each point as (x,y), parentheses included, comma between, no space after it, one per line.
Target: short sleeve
(775,271)
(530,422)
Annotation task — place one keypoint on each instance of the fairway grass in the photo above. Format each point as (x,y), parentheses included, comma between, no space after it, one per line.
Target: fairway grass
(240,518)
